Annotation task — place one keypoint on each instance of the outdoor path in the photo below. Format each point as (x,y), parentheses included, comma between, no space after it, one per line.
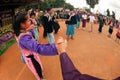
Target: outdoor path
(92,53)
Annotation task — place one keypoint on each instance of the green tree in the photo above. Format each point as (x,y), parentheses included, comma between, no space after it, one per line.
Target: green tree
(92,3)
(53,3)
(58,3)
(43,6)
(34,6)
(49,3)
(68,6)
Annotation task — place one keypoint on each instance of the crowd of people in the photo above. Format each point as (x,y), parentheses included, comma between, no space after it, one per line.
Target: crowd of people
(49,20)
(26,31)
(74,19)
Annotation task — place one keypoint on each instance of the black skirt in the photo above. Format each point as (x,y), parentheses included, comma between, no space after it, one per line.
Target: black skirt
(37,66)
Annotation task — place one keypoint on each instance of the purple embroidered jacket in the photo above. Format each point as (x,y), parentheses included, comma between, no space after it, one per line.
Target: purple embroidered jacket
(29,43)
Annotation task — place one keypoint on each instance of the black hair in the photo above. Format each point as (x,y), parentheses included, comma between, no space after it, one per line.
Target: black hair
(71,9)
(48,9)
(101,15)
(32,14)
(44,11)
(17,20)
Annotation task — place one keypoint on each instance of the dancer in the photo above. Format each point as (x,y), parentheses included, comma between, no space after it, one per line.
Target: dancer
(92,20)
(49,23)
(111,26)
(101,23)
(29,47)
(84,20)
(70,25)
(56,25)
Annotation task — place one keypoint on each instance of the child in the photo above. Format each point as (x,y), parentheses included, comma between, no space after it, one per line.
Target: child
(84,20)
(29,47)
(111,25)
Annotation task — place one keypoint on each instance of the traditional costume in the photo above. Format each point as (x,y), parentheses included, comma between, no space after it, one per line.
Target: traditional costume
(101,24)
(56,25)
(49,28)
(71,21)
(84,20)
(30,50)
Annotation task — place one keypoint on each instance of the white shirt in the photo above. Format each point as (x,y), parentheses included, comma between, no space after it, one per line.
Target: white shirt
(84,16)
(92,18)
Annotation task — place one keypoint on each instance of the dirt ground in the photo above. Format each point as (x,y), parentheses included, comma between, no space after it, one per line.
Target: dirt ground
(92,53)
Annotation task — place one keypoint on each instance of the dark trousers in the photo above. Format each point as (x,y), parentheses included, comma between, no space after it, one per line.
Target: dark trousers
(37,66)
(100,28)
(110,30)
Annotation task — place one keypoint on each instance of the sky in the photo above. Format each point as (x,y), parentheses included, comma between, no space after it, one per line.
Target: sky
(113,5)
(102,4)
